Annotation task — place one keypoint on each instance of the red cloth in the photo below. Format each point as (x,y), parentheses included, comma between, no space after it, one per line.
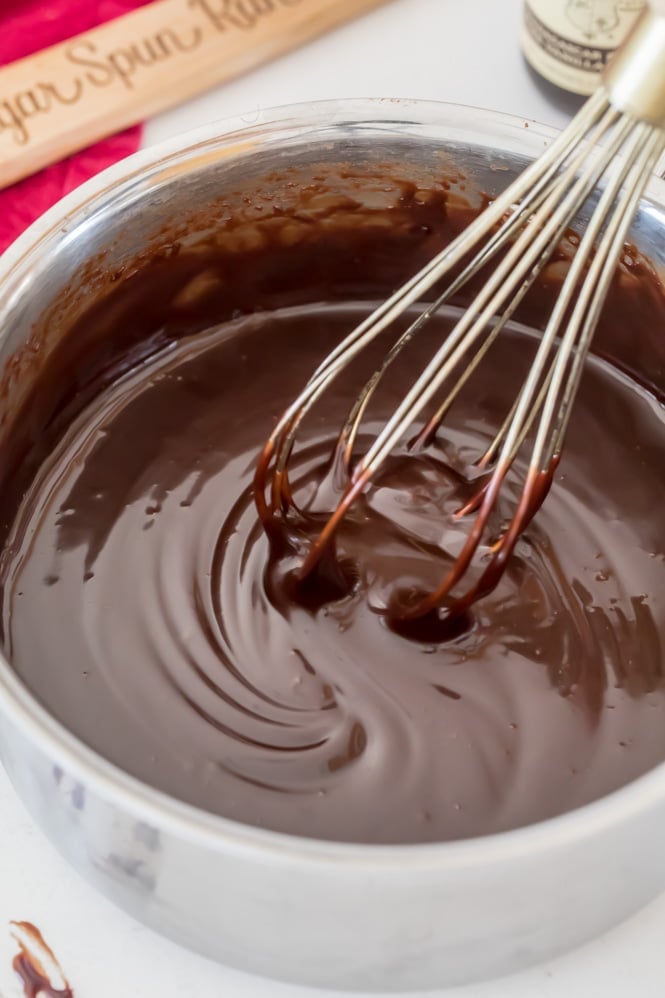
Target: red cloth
(27,26)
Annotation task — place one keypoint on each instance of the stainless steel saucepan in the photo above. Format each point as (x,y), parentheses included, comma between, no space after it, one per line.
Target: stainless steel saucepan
(333,915)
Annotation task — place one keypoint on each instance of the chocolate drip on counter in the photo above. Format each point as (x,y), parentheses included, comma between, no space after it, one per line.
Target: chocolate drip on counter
(128,513)
(28,964)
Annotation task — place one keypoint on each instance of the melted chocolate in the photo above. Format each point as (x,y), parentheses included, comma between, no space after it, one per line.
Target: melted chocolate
(169,641)
(29,964)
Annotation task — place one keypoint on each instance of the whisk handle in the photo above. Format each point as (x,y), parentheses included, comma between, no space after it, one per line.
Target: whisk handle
(635,78)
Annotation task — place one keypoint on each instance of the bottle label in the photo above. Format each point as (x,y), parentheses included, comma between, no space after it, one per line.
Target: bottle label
(569,42)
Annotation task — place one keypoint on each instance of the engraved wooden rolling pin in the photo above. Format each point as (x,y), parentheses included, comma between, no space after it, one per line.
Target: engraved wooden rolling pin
(66,97)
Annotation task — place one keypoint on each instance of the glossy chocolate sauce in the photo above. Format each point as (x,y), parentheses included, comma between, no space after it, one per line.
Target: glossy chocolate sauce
(142,608)
(35,962)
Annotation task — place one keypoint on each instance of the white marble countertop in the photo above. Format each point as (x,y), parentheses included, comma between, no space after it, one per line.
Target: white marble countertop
(464,51)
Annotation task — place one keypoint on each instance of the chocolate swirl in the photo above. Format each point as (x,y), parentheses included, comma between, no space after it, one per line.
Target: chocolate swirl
(164,641)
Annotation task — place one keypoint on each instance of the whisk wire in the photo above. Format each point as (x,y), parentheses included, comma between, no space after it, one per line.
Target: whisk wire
(604,264)
(643,152)
(550,220)
(510,224)
(528,184)
(510,243)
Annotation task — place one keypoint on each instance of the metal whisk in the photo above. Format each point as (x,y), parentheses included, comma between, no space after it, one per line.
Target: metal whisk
(614,142)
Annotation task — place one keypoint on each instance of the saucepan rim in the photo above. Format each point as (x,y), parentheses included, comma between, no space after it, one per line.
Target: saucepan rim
(113,784)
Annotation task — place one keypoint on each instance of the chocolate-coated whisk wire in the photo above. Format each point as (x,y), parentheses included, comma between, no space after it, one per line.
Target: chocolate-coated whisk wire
(614,144)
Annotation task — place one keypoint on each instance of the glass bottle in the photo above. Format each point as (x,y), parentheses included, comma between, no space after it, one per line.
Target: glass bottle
(569,42)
